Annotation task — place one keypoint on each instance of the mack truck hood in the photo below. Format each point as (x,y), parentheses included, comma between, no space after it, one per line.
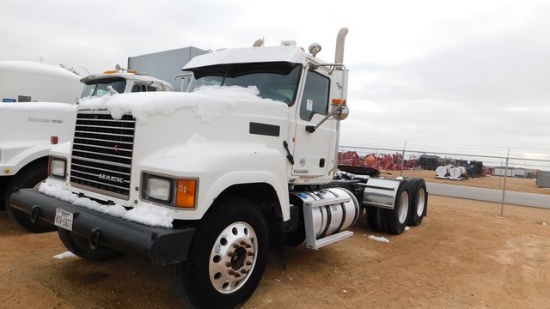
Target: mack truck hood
(213,117)
(214,133)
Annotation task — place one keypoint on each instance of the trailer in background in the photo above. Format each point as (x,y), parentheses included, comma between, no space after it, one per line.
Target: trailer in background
(165,65)
(513,172)
(543,179)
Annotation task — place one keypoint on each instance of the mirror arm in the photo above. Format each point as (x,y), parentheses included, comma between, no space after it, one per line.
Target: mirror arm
(312,129)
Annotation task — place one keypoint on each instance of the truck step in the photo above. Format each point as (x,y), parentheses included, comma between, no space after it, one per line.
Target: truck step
(319,243)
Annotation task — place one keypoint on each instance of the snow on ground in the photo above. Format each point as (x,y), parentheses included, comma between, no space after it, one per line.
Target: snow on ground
(380,239)
(64,255)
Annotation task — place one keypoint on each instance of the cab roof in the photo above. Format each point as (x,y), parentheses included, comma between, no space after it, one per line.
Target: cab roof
(292,54)
(127,76)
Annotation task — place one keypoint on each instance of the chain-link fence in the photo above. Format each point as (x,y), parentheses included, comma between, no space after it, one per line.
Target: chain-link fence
(513,179)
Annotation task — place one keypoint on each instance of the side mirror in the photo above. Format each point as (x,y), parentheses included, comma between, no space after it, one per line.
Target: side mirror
(185,79)
(342,113)
(338,112)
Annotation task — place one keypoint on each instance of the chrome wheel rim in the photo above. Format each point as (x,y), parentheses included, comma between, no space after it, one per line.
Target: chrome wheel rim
(233,257)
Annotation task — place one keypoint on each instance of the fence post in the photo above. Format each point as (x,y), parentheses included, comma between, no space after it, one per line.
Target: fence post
(500,178)
(403,158)
(504,187)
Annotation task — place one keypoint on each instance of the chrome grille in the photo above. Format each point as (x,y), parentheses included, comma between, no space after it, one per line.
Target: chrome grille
(102,153)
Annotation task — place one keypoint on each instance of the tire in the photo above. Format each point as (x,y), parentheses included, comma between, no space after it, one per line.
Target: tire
(396,218)
(3,188)
(419,201)
(374,219)
(227,258)
(29,177)
(80,246)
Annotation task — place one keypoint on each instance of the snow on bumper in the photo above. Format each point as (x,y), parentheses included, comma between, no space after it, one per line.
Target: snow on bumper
(163,246)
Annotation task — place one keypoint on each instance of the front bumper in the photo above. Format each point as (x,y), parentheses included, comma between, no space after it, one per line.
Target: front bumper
(163,246)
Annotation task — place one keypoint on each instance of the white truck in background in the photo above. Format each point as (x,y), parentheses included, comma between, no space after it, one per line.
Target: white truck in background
(120,80)
(158,71)
(29,130)
(31,81)
(209,180)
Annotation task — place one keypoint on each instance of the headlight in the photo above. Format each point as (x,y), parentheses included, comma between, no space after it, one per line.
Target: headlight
(159,189)
(180,193)
(58,168)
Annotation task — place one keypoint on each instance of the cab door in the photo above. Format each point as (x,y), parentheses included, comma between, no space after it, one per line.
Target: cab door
(314,151)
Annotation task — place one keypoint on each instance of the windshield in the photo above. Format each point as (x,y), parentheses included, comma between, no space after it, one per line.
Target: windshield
(99,87)
(275,80)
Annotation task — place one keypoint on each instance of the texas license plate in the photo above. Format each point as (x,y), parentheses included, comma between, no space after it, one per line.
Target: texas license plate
(64,219)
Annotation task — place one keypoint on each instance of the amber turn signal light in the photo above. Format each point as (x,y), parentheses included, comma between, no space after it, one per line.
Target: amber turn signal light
(186,191)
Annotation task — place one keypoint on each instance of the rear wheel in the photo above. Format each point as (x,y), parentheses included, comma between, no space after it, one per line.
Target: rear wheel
(419,201)
(227,258)
(396,218)
(82,247)
(30,177)
(375,219)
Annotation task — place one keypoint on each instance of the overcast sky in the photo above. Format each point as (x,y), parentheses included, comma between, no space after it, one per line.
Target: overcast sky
(447,76)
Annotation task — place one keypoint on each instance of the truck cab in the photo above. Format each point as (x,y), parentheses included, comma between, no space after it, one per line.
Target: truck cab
(120,80)
(308,88)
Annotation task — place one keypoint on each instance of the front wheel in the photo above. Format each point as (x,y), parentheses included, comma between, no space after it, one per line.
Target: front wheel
(227,258)
(30,177)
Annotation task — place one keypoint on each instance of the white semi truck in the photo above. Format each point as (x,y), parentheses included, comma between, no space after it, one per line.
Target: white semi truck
(120,80)
(209,180)
(31,81)
(29,130)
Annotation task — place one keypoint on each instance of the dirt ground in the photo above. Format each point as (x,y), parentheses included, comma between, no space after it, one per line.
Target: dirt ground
(464,255)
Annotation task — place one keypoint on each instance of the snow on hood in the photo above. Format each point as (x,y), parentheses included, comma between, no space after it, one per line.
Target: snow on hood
(147,214)
(209,102)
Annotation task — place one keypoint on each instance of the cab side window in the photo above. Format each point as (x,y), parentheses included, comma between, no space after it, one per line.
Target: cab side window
(316,94)
(143,88)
